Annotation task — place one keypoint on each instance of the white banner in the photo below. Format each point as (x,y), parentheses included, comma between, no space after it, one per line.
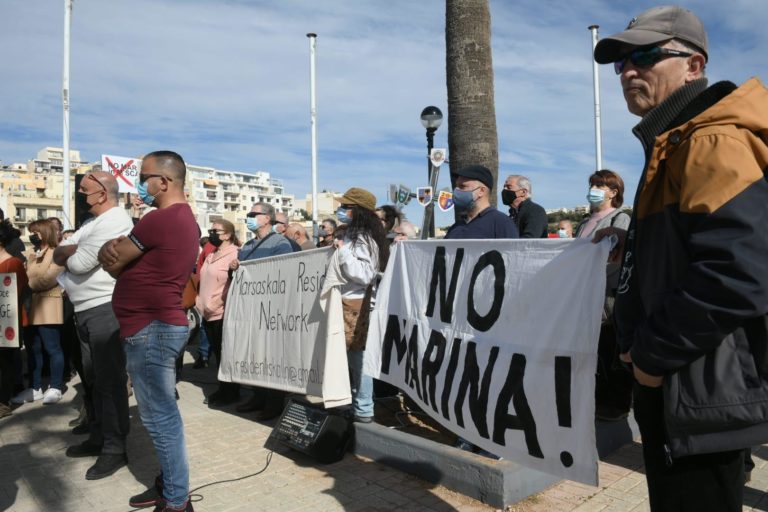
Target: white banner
(497,341)
(276,334)
(9,311)
(125,170)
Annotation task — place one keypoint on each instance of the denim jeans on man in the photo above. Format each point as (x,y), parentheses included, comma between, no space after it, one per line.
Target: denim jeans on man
(104,366)
(151,355)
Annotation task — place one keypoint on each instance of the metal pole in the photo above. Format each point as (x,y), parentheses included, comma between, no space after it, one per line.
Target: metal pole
(596,87)
(65,103)
(428,230)
(313,122)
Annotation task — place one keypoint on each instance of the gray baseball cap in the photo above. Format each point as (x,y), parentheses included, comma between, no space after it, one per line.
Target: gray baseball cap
(654,26)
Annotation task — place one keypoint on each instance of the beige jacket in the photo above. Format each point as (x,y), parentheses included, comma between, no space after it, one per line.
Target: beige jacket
(47,303)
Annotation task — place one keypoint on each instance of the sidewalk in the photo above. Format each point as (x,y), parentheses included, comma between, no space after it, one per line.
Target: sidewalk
(35,475)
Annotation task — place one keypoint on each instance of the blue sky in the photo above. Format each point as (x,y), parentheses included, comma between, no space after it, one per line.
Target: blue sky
(226,84)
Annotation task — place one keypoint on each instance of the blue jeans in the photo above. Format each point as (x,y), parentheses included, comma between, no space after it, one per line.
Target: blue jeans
(362,385)
(204,349)
(48,337)
(151,359)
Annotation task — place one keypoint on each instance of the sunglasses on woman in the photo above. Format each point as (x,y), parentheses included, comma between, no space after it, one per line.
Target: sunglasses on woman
(647,57)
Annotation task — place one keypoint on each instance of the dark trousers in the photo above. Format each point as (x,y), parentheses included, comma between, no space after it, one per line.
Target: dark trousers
(70,343)
(707,482)
(613,387)
(104,367)
(7,374)
(214,329)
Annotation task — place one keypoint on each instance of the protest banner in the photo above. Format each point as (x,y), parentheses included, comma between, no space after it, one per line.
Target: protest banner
(9,311)
(125,170)
(276,332)
(497,341)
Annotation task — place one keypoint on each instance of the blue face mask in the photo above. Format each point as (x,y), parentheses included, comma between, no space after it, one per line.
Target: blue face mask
(252,223)
(562,233)
(464,199)
(144,195)
(342,215)
(596,196)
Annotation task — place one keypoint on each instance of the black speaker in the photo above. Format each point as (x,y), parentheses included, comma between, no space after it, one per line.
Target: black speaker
(316,432)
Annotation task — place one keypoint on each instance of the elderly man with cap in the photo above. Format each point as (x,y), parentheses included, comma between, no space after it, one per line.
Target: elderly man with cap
(471,197)
(478,220)
(691,311)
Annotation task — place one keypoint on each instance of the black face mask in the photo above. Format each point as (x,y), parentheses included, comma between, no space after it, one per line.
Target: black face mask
(81,202)
(508,196)
(35,240)
(214,239)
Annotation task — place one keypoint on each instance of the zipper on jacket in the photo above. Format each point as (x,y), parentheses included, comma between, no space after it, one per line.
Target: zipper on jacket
(668,456)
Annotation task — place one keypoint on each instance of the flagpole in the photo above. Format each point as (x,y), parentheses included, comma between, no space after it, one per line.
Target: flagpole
(596,88)
(313,122)
(65,104)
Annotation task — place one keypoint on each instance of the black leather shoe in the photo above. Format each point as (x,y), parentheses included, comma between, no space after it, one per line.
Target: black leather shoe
(149,498)
(162,507)
(82,418)
(363,419)
(255,403)
(200,362)
(267,414)
(80,430)
(106,465)
(84,449)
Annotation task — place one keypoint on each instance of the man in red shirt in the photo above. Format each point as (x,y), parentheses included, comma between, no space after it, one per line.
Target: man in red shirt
(152,264)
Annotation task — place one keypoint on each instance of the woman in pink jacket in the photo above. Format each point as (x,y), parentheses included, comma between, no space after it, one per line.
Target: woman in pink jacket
(214,284)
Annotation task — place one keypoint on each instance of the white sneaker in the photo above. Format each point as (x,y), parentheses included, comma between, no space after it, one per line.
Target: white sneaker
(52,395)
(28,395)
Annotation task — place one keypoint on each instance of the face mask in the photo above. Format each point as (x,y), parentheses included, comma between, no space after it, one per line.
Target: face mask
(341,214)
(35,240)
(81,201)
(274,229)
(596,196)
(214,238)
(508,196)
(463,199)
(321,232)
(252,224)
(562,233)
(144,195)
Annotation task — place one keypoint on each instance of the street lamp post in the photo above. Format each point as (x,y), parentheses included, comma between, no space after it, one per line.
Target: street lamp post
(431,118)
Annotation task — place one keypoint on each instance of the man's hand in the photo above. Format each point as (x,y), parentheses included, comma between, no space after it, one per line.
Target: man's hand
(108,254)
(641,377)
(618,251)
(62,254)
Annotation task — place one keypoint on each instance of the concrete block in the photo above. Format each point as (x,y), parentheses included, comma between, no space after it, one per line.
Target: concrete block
(498,483)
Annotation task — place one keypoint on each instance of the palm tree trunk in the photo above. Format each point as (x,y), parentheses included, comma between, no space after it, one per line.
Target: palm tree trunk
(472,135)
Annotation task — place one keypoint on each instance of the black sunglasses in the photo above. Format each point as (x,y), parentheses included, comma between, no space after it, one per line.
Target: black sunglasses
(253,214)
(647,57)
(145,177)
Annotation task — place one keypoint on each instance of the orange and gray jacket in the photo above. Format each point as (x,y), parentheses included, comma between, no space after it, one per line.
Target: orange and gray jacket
(692,302)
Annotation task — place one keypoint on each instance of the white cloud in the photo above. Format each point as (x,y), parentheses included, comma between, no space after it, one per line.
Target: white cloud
(226,84)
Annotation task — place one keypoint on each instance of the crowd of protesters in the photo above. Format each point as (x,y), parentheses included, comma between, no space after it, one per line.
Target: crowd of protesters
(80,274)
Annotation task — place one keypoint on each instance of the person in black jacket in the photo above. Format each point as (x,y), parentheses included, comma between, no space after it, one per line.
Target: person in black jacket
(529,217)
(691,310)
